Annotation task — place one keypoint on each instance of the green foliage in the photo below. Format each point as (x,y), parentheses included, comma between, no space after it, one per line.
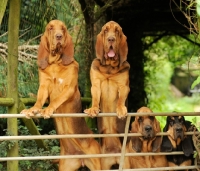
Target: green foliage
(3,85)
(3,74)
(162,58)
(196,82)
(198,7)
(34,16)
(6,145)
(29,148)
(27,80)
(157,79)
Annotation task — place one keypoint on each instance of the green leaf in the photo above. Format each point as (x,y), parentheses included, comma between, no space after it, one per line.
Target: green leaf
(197,81)
(198,7)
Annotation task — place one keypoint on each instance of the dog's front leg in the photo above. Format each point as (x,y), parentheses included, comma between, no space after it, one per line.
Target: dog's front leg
(123,91)
(42,96)
(96,93)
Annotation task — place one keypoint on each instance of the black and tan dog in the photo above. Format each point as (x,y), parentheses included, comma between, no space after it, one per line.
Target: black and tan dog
(176,126)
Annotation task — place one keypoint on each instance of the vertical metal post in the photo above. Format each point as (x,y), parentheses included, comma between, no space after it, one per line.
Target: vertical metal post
(12,84)
(124,143)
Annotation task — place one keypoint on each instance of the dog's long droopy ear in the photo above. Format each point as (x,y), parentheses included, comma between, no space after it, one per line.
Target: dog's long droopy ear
(157,142)
(166,145)
(187,146)
(43,52)
(187,143)
(123,49)
(165,129)
(99,47)
(136,144)
(68,52)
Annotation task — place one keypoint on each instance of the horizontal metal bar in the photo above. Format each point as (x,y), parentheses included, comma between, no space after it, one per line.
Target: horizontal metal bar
(95,156)
(86,156)
(158,168)
(34,137)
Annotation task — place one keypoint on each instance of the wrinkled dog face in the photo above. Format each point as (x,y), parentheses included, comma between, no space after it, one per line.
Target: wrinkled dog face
(176,127)
(146,126)
(56,31)
(112,37)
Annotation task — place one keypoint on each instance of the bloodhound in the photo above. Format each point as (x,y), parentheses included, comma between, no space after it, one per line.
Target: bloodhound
(148,126)
(176,126)
(58,79)
(109,76)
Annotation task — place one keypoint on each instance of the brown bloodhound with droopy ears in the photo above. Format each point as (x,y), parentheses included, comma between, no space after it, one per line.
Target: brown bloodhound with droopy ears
(109,76)
(176,126)
(148,126)
(58,82)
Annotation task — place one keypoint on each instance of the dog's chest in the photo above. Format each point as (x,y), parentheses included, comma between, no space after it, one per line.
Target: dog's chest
(57,77)
(109,90)
(143,162)
(58,74)
(57,81)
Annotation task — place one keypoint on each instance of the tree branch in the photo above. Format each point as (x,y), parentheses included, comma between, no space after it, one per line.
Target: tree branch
(102,10)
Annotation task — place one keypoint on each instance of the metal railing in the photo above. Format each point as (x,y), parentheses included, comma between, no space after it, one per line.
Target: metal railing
(126,134)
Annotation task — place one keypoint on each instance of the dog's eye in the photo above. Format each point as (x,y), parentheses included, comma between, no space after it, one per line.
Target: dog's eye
(51,28)
(106,30)
(140,119)
(63,28)
(171,122)
(151,117)
(181,120)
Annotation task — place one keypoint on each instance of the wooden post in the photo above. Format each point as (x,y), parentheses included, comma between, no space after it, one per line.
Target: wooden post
(12,84)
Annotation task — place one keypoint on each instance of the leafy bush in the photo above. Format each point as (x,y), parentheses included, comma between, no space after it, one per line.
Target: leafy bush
(29,148)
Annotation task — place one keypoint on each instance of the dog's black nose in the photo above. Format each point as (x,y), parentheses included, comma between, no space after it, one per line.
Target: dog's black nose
(148,128)
(111,39)
(58,36)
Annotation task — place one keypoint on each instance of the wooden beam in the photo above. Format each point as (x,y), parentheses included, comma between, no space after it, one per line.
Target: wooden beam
(31,101)
(12,83)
